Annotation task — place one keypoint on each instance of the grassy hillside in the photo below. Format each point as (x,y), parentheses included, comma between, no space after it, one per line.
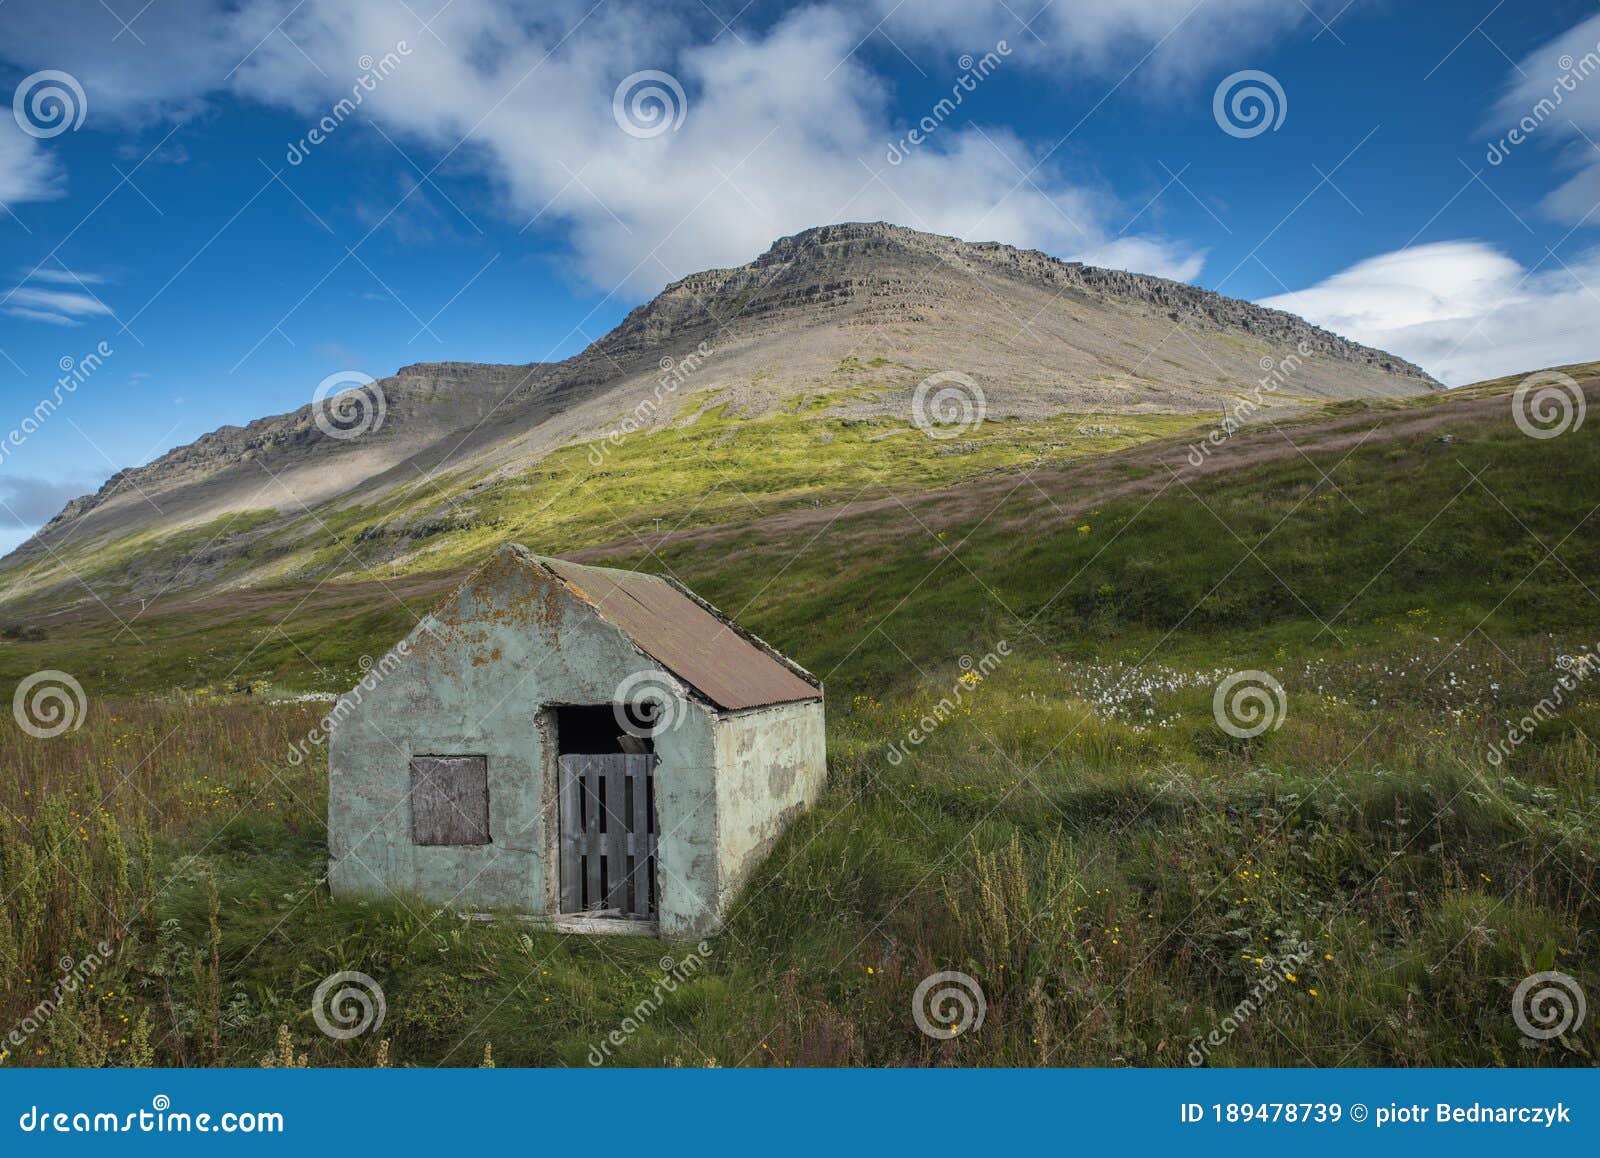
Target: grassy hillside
(1466,525)
(709,466)
(1067,823)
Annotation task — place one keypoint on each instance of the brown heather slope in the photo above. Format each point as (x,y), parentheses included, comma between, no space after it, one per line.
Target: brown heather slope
(1022,502)
(1057,496)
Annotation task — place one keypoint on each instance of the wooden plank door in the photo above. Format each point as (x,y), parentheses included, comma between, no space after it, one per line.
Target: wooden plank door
(608,834)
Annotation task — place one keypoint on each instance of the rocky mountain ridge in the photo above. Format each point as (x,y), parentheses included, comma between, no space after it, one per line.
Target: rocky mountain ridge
(838,323)
(835,248)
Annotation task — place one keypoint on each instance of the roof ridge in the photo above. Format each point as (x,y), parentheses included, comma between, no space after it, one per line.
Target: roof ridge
(677,629)
(749,636)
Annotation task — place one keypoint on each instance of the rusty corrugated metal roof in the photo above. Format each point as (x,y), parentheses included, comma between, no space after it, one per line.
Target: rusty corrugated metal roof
(675,628)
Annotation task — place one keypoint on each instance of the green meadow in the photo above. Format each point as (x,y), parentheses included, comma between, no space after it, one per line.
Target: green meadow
(1030,780)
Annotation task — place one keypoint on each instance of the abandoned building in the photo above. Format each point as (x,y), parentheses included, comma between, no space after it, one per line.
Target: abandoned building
(592,746)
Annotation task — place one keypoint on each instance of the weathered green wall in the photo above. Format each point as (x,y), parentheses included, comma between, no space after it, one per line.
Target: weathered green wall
(772,764)
(476,679)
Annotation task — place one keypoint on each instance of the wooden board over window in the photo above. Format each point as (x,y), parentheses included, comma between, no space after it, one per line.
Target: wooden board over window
(450,799)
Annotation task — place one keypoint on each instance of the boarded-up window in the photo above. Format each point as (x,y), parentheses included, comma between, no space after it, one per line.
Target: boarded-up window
(450,799)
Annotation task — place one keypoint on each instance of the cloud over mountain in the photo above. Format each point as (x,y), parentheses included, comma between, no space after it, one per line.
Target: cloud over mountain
(1461,308)
(784,128)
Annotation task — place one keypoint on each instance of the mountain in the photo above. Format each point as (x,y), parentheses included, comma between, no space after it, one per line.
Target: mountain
(810,355)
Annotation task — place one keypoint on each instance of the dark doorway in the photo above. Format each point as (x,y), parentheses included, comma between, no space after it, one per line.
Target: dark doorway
(593,729)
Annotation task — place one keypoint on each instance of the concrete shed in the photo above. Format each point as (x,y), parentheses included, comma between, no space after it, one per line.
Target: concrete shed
(593,746)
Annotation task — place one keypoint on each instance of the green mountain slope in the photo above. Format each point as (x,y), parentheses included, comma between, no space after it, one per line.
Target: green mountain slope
(1063,816)
(1315,533)
(791,381)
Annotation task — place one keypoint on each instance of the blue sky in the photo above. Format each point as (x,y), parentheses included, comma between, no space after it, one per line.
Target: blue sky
(487,200)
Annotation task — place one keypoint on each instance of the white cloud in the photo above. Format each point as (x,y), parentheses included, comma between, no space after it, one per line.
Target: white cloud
(27,172)
(786,128)
(182,50)
(62,276)
(1554,101)
(1462,310)
(1184,39)
(58,307)
(1146,255)
(783,131)
(48,316)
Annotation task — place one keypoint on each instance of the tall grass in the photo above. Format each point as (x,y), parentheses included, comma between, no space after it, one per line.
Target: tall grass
(94,959)
(1365,883)
(1117,875)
